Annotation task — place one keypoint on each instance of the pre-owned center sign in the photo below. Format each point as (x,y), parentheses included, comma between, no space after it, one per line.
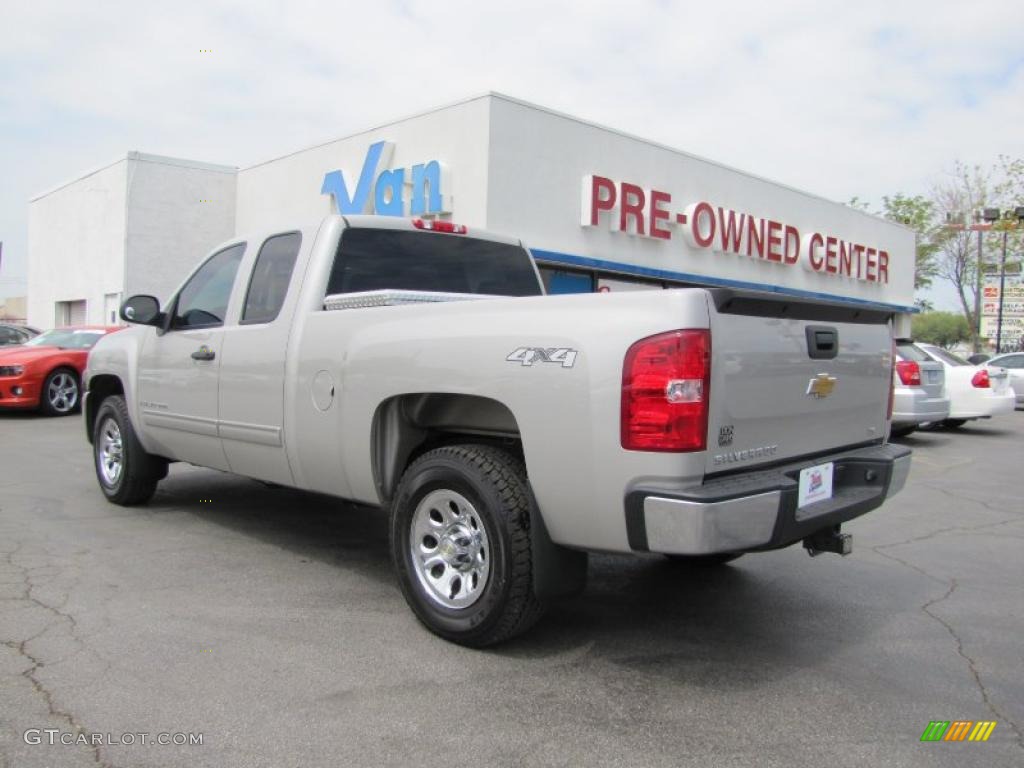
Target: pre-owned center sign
(635,210)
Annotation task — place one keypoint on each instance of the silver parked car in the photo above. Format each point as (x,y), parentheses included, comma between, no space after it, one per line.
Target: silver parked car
(1013,362)
(919,393)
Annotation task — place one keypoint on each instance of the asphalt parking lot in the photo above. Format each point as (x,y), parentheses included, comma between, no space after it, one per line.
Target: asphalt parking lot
(268,621)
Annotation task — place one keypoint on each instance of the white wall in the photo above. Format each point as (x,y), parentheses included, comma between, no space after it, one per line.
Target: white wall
(286,192)
(76,244)
(177,212)
(537,162)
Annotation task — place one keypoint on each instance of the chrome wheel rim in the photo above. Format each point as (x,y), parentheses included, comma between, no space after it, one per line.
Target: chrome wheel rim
(62,394)
(450,551)
(110,452)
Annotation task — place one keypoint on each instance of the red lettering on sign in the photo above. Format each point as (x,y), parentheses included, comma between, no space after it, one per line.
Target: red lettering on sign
(858,251)
(755,237)
(869,273)
(731,234)
(813,255)
(633,202)
(830,254)
(703,214)
(792,250)
(598,202)
(774,240)
(658,214)
(845,258)
(632,207)
(883,267)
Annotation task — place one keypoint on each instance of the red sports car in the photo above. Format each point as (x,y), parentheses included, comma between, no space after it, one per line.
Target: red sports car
(46,372)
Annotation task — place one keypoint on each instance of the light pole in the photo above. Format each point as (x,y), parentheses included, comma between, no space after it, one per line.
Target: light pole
(991,216)
(1018,213)
(957,221)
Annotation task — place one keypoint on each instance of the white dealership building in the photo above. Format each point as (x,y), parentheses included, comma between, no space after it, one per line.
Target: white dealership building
(602,210)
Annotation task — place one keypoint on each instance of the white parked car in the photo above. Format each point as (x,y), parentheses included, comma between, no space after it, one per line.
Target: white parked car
(1013,362)
(975,391)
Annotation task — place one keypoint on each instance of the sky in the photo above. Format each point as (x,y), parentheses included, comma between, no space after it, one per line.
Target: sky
(841,99)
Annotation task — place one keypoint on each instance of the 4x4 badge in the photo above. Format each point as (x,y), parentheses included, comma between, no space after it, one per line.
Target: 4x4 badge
(531,355)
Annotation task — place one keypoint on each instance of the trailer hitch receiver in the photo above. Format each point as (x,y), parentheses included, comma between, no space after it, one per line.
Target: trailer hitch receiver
(829,540)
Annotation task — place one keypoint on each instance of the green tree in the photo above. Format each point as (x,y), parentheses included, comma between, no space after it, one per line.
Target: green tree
(916,213)
(942,328)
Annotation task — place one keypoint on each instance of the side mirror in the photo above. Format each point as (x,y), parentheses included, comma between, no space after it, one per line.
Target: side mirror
(142,310)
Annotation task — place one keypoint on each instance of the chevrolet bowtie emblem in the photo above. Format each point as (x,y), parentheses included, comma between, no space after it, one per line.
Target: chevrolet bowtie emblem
(821,385)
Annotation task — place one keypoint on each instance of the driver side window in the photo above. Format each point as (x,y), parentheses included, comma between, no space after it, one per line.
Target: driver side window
(203,301)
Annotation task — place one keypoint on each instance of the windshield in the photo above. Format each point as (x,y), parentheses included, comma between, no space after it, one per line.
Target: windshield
(66,338)
(945,357)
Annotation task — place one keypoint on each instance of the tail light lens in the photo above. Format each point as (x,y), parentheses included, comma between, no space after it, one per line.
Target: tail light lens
(981,380)
(892,383)
(909,372)
(665,388)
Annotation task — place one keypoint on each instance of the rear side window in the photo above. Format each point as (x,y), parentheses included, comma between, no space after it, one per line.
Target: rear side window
(908,351)
(271,276)
(374,259)
(203,301)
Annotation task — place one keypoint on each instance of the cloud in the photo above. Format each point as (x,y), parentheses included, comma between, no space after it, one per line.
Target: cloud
(840,99)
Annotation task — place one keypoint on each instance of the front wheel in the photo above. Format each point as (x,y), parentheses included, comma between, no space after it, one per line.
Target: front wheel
(60,393)
(126,473)
(460,542)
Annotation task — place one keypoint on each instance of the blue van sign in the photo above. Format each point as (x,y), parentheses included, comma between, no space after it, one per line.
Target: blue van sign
(390,193)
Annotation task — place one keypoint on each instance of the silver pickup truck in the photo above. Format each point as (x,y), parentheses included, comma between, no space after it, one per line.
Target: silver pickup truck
(418,367)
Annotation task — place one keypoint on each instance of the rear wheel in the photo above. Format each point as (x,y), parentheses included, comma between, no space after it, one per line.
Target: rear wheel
(460,542)
(903,431)
(705,561)
(60,393)
(126,473)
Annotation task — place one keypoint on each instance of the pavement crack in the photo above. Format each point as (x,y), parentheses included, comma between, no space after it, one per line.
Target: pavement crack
(960,497)
(36,663)
(952,585)
(971,664)
(932,534)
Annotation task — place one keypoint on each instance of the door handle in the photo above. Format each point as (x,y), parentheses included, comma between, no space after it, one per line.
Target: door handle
(822,342)
(204,353)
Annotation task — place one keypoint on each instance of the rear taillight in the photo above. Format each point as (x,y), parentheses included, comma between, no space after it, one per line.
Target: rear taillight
(435,225)
(665,388)
(892,383)
(981,380)
(909,372)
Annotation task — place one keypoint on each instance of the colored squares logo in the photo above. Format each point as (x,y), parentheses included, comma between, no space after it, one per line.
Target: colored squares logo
(958,730)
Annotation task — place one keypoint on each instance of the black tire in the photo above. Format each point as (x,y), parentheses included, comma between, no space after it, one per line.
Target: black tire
(494,483)
(902,431)
(66,404)
(954,423)
(135,481)
(705,561)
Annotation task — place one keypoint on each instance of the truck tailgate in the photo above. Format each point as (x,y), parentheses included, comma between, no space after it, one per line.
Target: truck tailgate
(793,378)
